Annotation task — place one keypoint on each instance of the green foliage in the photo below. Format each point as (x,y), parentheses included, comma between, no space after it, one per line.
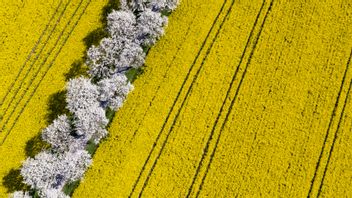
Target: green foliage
(78,68)
(70,188)
(91,147)
(133,74)
(94,37)
(56,106)
(35,145)
(13,181)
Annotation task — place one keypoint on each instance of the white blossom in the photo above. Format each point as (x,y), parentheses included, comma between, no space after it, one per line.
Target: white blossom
(121,24)
(58,134)
(113,91)
(136,5)
(150,27)
(91,124)
(162,5)
(47,170)
(124,4)
(20,194)
(81,94)
(52,193)
(112,56)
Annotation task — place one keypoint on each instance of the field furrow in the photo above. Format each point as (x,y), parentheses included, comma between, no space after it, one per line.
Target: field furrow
(141,136)
(21,45)
(248,103)
(213,138)
(190,118)
(40,66)
(336,175)
(39,92)
(331,133)
(33,52)
(271,141)
(185,90)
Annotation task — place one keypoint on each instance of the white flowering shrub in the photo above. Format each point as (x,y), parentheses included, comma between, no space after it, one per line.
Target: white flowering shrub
(121,25)
(162,5)
(155,5)
(52,193)
(59,135)
(53,171)
(113,56)
(81,94)
(113,91)
(20,194)
(91,124)
(150,27)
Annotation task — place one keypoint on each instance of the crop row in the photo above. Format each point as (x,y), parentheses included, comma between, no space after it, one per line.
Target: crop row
(280,129)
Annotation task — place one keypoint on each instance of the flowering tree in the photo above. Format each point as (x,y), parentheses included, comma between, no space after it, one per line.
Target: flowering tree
(113,56)
(121,24)
(81,94)
(89,117)
(113,91)
(53,171)
(59,135)
(91,124)
(137,25)
(150,27)
(156,5)
(20,194)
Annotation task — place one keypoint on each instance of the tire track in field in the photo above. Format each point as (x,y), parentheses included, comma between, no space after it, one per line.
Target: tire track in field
(30,53)
(164,78)
(46,71)
(232,102)
(33,62)
(40,67)
(335,138)
(206,148)
(186,96)
(177,97)
(314,179)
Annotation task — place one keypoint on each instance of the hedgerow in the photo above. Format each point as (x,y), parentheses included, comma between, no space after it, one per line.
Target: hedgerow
(136,26)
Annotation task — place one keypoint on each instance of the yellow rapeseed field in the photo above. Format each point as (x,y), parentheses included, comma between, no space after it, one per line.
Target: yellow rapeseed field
(337,174)
(239,98)
(40,42)
(278,132)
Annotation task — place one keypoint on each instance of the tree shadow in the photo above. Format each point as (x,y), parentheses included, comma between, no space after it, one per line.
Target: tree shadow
(94,37)
(112,5)
(13,181)
(35,145)
(78,68)
(56,106)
